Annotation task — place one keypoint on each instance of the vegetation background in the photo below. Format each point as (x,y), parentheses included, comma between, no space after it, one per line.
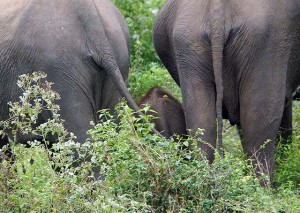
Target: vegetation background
(143,172)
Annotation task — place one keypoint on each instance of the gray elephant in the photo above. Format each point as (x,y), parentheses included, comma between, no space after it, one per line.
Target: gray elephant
(170,119)
(242,56)
(82,46)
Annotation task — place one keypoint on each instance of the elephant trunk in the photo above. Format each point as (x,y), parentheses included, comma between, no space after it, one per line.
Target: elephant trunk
(217,40)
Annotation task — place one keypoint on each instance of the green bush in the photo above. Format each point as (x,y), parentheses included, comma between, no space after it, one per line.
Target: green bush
(140,172)
(143,80)
(288,156)
(140,15)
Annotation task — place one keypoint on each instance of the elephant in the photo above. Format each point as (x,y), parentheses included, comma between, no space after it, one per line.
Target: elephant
(170,119)
(239,58)
(82,46)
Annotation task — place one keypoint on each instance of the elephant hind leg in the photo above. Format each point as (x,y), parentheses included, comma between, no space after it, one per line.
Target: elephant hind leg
(261,116)
(259,145)
(198,95)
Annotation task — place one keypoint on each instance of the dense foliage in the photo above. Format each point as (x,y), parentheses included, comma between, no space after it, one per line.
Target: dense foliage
(139,171)
(140,15)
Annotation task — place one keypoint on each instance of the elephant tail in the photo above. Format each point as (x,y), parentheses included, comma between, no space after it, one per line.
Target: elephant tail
(114,72)
(217,40)
(101,49)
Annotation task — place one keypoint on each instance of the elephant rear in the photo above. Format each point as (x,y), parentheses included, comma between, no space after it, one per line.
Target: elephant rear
(82,46)
(259,50)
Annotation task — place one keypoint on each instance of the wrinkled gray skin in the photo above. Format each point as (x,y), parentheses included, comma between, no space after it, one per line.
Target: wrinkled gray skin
(83,47)
(169,112)
(239,54)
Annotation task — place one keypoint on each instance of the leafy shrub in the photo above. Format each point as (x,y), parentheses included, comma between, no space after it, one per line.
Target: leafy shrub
(37,97)
(140,172)
(140,15)
(143,80)
(288,157)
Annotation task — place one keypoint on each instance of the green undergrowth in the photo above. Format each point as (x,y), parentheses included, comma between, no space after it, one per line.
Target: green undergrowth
(144,79)
(138,171)
(140,16)
(288,156)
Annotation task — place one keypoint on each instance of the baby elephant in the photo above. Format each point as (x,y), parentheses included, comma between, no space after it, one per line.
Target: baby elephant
(169,111)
